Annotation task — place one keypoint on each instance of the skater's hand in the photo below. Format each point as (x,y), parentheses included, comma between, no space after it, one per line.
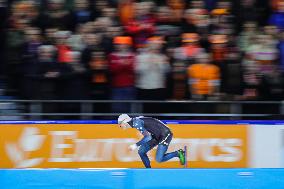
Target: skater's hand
(133,147)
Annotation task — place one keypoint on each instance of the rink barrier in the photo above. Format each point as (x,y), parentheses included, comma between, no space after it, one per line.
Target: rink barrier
(102,144)
(141,178)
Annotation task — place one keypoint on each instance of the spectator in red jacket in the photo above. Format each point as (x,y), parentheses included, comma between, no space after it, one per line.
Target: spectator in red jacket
(122,72)
(62,46)
(142,26)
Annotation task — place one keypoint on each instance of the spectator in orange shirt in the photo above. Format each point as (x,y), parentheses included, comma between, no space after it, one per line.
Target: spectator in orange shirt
(100,75)
(203,78)
(126,11)
(183,56)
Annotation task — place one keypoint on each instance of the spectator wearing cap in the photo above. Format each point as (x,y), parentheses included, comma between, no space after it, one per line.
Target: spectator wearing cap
(183,56)
(203,78)
(190,47)
(121,64)
(151,71)
(222,17)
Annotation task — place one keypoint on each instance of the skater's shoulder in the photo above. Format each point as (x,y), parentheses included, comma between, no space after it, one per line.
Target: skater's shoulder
(138,118)
(143,118)
(137,121)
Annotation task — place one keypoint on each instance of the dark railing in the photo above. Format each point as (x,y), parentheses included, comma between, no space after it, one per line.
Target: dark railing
(91,109)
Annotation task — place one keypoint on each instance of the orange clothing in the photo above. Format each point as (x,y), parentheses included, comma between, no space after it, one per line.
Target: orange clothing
(99,78)
(202,77)
(274,4)
(176,4)
(98,67)
(126,11)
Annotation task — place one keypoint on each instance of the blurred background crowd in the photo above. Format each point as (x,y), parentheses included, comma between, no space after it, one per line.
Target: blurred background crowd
(145,50)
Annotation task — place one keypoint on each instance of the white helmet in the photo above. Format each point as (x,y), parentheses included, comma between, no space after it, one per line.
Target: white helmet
(123,118)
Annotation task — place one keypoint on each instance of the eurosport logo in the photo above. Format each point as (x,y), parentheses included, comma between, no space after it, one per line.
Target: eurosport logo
(28,142)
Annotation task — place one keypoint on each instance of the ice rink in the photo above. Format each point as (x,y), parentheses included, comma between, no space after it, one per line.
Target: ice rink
(141,178)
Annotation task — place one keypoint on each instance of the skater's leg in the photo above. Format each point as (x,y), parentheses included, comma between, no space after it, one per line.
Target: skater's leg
(161,155)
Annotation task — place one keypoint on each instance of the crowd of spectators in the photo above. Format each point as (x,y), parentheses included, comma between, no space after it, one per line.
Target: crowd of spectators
(148,50)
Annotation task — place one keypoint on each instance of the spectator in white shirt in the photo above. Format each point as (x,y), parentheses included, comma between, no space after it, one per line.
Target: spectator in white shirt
(151,70)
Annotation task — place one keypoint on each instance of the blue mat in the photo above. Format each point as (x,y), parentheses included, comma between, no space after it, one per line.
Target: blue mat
(141,178)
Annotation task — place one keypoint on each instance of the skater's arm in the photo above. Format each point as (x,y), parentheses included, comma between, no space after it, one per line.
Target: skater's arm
(139,125)
(146,138)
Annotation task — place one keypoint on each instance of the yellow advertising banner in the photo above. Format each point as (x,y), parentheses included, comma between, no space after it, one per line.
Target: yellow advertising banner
(106,146)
